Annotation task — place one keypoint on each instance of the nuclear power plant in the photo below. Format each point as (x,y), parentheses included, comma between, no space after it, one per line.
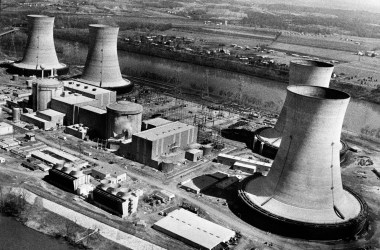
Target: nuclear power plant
(303,193)
(114,148)
(40,55)
(301,72)
(102,63)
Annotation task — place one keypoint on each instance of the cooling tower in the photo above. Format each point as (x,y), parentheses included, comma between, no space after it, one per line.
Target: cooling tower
(40,52)
(301,72)
(102,64)
(303,193)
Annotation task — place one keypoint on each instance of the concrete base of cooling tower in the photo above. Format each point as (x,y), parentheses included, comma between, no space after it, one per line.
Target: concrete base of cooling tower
(252,210)
(267,141)
(29,70)
(121,87)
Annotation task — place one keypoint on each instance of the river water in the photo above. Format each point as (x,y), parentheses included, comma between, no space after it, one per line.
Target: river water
(15,236)
(362,118)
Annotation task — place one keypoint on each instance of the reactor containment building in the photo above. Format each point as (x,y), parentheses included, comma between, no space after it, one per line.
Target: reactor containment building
(303,196)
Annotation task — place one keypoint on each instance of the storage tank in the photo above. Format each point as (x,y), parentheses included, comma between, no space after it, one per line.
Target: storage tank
(40,49)
(43,91)
(301,72)
(207,149)
(16,114)
(167,166)
(123,119)
(102,64)
(303,193)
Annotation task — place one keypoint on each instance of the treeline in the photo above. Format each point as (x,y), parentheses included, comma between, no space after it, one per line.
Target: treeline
(357,23)
(163,4)
(127,25)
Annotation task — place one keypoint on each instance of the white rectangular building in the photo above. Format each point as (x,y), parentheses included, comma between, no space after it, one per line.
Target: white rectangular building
(193,230)
(5,128)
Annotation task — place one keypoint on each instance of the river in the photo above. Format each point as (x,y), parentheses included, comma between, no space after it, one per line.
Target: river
(362,118)
(14,236)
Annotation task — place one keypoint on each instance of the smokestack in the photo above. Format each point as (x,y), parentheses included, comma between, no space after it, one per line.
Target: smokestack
(102,63)
(40,49)
(301,72)
(304,187)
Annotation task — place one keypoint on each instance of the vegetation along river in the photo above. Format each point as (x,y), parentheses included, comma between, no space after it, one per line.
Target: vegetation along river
(362,118)
(14,235)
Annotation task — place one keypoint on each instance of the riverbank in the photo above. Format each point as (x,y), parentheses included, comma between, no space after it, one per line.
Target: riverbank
(58,221)
(363,92)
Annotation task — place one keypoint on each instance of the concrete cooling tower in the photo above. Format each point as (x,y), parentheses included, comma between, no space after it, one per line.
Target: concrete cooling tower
(39,54)
(301,72)
(102,64)
(303,195)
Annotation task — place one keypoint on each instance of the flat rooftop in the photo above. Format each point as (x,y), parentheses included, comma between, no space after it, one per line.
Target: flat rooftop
(61,154)
(94,109)
(112,170)
(164,131)
(51,113)
(156,122)
(84,87)
(200,183)
(5,125)
(73,99)
(189,226)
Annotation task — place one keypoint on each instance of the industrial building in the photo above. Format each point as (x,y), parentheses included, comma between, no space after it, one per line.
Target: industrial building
(40,56)
(199,184)
(193,230)
(194,154)
(77,130)
(301,72)
(152,146)
(113,175)
(102,64)
(244,164)
(153,123)
(68,178)
(116,200)
(303,194)
(46,119)
(5,128)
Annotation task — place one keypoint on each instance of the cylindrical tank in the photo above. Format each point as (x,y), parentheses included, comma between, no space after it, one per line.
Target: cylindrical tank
(123,119)
(16,114)
(206,149)
(309,72)
(43,91)
(301,72)
(29,83)
(102,64)
(15,77)
(304,184)
(40,49)
(167,166)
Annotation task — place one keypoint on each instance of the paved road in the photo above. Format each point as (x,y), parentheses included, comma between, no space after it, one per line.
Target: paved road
(230,220)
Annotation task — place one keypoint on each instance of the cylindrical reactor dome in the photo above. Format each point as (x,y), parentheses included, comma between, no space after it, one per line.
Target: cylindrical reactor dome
(43,91)
(310,72)
(123,119)
(304,184)
(40,51)
(102,64)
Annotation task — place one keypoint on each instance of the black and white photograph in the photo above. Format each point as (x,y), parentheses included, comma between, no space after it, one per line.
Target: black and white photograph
(189,124)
